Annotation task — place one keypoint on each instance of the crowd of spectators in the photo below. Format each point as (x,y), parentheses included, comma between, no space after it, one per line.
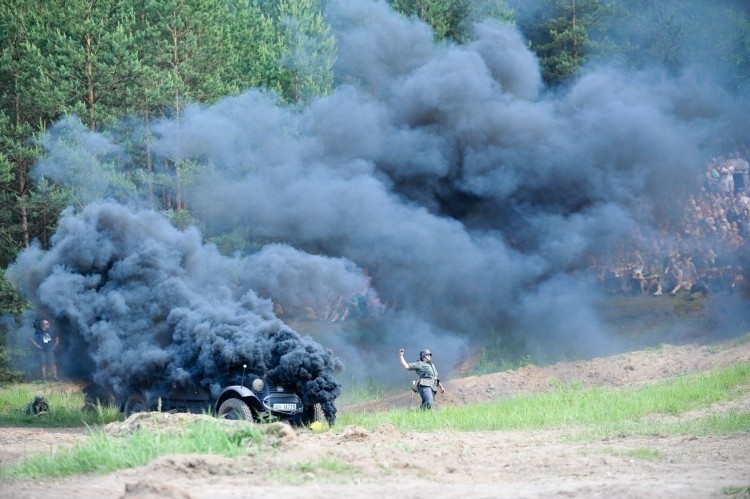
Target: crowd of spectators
(699,251)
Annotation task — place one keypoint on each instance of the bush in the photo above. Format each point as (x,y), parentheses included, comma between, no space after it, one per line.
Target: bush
(11,304)
(7,373)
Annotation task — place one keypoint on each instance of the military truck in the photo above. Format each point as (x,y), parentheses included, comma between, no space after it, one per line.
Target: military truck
(256,400)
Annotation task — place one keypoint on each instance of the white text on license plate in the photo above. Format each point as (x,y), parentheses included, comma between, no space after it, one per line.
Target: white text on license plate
(284,407)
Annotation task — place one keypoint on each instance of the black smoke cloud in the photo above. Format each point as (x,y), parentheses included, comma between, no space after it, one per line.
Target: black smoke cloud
(154,307)
(449,170)
(472,194)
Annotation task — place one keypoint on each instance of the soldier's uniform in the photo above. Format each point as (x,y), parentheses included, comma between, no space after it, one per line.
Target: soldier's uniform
(38,406)
(427,383)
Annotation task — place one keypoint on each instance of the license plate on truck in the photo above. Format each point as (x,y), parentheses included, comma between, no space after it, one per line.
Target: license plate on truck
(284,407)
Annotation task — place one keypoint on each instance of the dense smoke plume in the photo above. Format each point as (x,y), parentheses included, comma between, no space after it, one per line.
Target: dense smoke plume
(153,307)
(471,195)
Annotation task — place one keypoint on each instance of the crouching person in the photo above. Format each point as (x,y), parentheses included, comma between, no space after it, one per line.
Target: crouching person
(38,407)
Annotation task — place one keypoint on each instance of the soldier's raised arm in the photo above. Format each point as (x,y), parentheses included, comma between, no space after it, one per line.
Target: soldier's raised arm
(404,364)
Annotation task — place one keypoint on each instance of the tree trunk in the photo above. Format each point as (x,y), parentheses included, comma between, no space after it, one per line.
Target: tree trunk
(149,163)
(90,81)
(177,97)
(575,33)
(21,176)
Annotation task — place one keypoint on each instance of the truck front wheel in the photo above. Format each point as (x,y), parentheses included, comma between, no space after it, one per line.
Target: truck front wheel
(235,409)
(135,403)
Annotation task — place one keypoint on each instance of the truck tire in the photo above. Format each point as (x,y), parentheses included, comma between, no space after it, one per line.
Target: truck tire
(308,416)
(136,402)
(235,409)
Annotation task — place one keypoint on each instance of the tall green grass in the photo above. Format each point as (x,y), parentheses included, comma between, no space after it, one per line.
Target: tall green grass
(494,360)
(571,405)
(102,453)
(363,392)
(67,408)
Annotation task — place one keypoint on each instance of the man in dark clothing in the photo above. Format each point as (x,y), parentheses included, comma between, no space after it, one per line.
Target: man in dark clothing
(46,342)
(428,382)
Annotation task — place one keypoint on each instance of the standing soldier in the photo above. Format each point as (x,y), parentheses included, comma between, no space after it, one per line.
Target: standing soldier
(46,341)
(428,382)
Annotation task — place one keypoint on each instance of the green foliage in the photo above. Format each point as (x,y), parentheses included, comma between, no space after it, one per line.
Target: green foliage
(101,62)
(492,360)
(498,353)
(671,34)
(43,206)
(7,373)
(454,19)
(734,491)
(676,33)
(86,163)
(362,392)
(492,9)
(569,393)
(34,87)
(11,303)
(257,47)
(448,19)
(17,153)
(181,219)
(189,50)
(564,37)
(8,237)
(229,243)
(305,49)
(654,33)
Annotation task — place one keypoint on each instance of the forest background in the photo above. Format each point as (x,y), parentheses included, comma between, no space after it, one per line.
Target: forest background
(117,67)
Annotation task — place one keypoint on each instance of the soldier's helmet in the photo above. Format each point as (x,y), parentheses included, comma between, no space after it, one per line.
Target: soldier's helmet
(424,352)
(38,398)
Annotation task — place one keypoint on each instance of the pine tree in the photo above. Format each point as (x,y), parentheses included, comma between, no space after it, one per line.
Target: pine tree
(305,49)
(34,91)
(563,38)
(448,19)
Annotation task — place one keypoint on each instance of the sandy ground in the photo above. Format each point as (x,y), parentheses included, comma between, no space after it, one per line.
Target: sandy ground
(385,462)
